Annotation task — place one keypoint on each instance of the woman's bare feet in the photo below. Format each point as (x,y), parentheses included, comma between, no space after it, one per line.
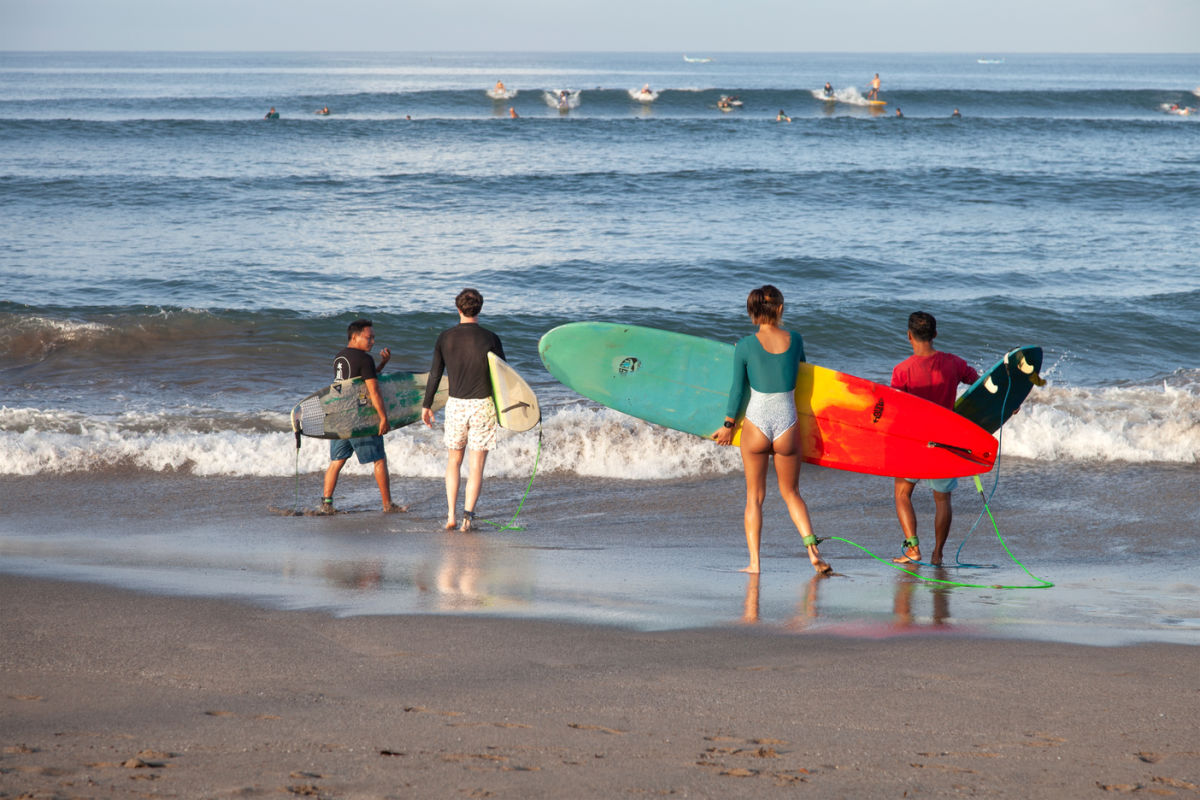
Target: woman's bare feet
(818,563)
(753,569)
(451,523)
(468,518)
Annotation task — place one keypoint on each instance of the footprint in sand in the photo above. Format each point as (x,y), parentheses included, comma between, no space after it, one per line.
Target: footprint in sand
(601,728)
(423,710)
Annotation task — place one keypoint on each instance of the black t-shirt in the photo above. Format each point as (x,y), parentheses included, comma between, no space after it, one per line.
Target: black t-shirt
(351,362)
(462,351)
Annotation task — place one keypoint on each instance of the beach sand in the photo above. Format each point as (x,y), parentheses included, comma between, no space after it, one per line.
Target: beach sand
(110,693)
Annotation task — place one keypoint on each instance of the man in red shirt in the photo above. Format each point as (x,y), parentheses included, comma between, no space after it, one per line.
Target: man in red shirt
(934,376)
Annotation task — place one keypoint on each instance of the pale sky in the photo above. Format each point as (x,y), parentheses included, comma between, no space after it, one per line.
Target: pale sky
(689,26)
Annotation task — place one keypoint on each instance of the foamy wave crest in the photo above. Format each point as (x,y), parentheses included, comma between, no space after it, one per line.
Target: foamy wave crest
(607,444)
(580,441)
(848,95)
(1136,424)
(1140,424)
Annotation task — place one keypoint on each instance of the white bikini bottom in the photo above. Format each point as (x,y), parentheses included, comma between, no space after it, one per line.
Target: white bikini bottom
(773,413)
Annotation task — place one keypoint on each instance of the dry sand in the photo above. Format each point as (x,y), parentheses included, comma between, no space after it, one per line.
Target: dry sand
(105,693)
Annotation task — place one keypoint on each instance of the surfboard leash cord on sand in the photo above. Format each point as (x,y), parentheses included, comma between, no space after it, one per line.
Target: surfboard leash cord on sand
(1041,582)
(509,526)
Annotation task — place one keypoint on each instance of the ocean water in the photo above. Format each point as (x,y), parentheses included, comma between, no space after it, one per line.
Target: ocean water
(177,271)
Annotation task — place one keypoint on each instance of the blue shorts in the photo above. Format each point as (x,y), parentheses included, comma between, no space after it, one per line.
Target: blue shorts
(943,485)
(369,449)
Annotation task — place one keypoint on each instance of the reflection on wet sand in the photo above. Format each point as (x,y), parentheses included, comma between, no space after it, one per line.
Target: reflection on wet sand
(902,612)
(473,573)
(903,617)
(806,607)
(354,574)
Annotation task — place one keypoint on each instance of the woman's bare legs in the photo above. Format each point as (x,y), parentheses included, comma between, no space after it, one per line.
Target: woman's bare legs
(787,470)
(756,450)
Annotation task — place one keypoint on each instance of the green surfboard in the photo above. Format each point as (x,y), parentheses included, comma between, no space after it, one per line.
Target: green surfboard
(343,410)
(990,401)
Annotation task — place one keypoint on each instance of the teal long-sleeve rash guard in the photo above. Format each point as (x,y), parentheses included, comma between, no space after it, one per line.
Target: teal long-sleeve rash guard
(753,366)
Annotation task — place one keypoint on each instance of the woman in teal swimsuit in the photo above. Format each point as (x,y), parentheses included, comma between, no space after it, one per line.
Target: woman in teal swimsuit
(766,363)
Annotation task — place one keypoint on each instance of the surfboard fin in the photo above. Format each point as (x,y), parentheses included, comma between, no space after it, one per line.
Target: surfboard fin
(1030,370)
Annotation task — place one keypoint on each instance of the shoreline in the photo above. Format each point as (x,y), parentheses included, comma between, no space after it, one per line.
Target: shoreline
(110,692)
(648,556)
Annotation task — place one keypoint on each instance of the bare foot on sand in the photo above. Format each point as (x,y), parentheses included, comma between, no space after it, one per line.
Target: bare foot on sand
(753,569)
(451,524)
(818,563)
(911,555)
(393,509)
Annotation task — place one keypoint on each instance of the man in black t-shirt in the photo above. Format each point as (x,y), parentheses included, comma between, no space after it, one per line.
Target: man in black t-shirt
(354,361)
(470,411)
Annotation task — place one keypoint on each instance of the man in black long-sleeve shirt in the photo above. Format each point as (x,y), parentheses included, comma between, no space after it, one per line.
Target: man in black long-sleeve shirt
(470,412)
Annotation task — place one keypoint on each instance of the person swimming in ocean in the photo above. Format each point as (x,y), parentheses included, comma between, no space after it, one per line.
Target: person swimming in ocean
(324,112)
(512,112)
(782,116)
(272,114)
(766,364)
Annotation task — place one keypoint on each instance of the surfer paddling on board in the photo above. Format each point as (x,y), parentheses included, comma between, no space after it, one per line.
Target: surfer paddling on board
(766,363)
(470,411)
(354,361)
(934,376)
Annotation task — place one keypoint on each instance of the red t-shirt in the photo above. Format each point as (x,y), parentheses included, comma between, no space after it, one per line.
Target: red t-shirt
(935,377)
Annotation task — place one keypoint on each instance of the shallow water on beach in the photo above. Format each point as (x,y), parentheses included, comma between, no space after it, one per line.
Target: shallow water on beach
(602,552)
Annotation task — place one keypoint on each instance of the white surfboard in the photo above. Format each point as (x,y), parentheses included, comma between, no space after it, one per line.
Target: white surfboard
(516,405)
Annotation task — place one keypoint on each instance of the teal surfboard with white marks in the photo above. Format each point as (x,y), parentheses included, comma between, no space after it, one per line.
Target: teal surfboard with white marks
(990,401)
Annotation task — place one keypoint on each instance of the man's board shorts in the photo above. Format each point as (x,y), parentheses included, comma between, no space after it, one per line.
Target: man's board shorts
(943,485)
(369,449)
(470,423)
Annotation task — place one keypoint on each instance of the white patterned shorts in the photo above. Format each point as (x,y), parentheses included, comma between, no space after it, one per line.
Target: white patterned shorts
(470,422)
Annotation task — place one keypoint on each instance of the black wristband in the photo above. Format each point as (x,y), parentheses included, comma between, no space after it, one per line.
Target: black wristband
(728,424)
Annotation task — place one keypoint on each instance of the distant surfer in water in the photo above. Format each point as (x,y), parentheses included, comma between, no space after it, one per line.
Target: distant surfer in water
(500,87)
(324,112)
(272,114)
(470,411)
(766,363)
(512,112)
(782,116)
(828,90)
(873,94)
(934,376)
(354,361)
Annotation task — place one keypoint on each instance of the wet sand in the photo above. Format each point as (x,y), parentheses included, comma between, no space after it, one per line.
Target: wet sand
(110,693)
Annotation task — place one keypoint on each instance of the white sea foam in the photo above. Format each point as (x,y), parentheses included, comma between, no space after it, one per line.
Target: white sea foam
(554,99)
(1134,424)
(1139,424)
(848,95)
